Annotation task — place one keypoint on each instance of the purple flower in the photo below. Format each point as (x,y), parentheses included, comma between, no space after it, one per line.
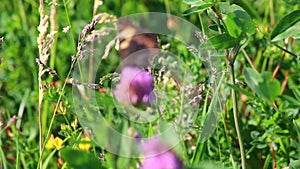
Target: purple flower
(158,156)
(135,86)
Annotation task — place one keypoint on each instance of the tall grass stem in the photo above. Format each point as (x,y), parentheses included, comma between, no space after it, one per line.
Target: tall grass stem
(231,60)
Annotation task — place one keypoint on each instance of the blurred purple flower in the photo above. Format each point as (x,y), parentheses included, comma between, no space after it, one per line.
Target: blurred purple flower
(158,156)
(135,86)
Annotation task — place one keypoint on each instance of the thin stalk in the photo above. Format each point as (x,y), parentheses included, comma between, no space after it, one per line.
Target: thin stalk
(91,56)
(53,28)
(74,59)
(3,157)
(286,41)
(275,44)
(69,24)
(201,22)
(18,153)
(231,60)
(235,116)
(248,59)
(283,49)
(272,18)
(209,114)
(167,6)
(197,154)
(41,92)
(231,57)
(57,105)
(284,83)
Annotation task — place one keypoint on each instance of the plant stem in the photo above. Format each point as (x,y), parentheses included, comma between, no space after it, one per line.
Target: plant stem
(167,6)
(248,59)
(57,104)
(41,92)
(4,162)
(272,18)
(201,22)
(275,44)
(231,60)
(69,24)
(286,41)
(283,49)
(53,28)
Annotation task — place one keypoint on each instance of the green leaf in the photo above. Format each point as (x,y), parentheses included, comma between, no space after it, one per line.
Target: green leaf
(293,31)
(214,28)
(224,7)
(197,9)
(233,25)
(212,16)
(262,84)
(296,92)
(296,126)
(259,144)
(291,100)
(250,8)
(295,164)
(237,19)
(48,159)
(269,88)
(211,121)
(246,22)
(221,41)
(253,79)
(286,22)
(192,2)
(80,159)
(236,88)
(254,135)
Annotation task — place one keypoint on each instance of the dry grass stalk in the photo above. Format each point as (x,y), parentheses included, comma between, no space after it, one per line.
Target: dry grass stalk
(85,33)
(44,42)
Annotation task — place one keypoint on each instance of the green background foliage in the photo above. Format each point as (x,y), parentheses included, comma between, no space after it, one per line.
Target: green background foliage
(268,105)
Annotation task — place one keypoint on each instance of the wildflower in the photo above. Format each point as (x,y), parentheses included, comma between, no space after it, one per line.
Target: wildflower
(54,143)
(85,144)
(157,157)
(135,86)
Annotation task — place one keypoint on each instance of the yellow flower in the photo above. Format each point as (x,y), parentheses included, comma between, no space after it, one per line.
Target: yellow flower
(54,143)
(85,144)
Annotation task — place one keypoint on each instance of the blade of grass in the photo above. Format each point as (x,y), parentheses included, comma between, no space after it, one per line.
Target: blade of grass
(3,157)
(200,146)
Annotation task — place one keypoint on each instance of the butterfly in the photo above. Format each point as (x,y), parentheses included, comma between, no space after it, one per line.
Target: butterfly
(137,45)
